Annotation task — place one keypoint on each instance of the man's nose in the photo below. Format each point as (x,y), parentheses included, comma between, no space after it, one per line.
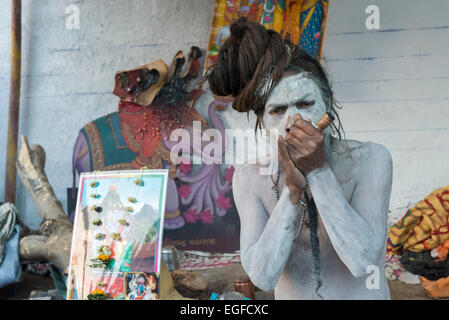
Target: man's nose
(291,112)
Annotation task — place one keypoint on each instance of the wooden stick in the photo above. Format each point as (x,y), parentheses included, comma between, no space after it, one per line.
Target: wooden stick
(14,102)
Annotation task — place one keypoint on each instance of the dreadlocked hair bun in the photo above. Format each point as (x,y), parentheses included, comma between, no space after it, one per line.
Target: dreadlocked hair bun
(251,57)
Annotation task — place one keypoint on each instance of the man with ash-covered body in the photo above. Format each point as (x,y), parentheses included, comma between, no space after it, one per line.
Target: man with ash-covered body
(316,226)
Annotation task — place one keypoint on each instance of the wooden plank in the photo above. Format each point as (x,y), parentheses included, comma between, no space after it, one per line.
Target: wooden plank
(14,102)
(400,91)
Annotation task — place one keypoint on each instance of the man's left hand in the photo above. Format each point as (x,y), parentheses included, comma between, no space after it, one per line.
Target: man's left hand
(305,144)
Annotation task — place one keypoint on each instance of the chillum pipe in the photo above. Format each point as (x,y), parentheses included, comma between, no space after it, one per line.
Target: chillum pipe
(325,121)
(14,101)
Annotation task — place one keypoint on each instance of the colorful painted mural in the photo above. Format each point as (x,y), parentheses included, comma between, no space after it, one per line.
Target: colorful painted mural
(304,21)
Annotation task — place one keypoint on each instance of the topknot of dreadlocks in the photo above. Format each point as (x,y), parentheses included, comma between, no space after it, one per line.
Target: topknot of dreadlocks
(250,58)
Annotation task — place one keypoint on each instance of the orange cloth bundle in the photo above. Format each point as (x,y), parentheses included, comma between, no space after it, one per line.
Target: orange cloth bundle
(436,289)
(423,227)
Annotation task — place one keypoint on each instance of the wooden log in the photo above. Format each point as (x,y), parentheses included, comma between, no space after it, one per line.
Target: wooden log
(189,284)
(167,288)
(14,102)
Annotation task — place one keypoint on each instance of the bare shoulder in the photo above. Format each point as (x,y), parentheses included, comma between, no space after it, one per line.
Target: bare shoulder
(373,176)
(369,161)
(368,153)
(248,189)
(377,154)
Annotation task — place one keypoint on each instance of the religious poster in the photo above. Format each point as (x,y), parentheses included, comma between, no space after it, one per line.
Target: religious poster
(154,101)
(304,21)
(117,238)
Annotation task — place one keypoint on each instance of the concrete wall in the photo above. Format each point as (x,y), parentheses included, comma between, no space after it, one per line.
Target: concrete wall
(392,82)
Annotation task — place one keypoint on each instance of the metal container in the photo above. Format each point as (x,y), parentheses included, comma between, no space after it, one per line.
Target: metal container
(245,287)
(170,258)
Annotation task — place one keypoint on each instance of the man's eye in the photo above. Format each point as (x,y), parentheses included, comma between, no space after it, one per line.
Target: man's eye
(305,104)
(277,110)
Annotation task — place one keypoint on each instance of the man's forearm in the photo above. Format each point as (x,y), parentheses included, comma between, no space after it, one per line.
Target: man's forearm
(350,234)
(265,260)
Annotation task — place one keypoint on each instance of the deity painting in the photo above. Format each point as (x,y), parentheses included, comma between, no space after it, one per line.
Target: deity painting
(155,102)
(141,286)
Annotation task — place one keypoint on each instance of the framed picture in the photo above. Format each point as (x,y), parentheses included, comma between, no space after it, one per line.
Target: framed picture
(141,286)
(117,239)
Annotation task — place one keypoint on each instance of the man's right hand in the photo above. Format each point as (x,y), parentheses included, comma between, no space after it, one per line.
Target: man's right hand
(294,179)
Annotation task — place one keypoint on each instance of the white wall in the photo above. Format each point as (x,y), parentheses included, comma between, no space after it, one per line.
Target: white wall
(391,83)
(394,87)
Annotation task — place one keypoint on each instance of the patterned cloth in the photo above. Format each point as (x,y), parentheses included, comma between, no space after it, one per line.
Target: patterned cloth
(424,227)
(313,18)
(196,260)
(395,271)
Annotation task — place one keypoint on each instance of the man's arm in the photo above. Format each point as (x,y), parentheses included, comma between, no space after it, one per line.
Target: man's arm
(358,229)
(265,241)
